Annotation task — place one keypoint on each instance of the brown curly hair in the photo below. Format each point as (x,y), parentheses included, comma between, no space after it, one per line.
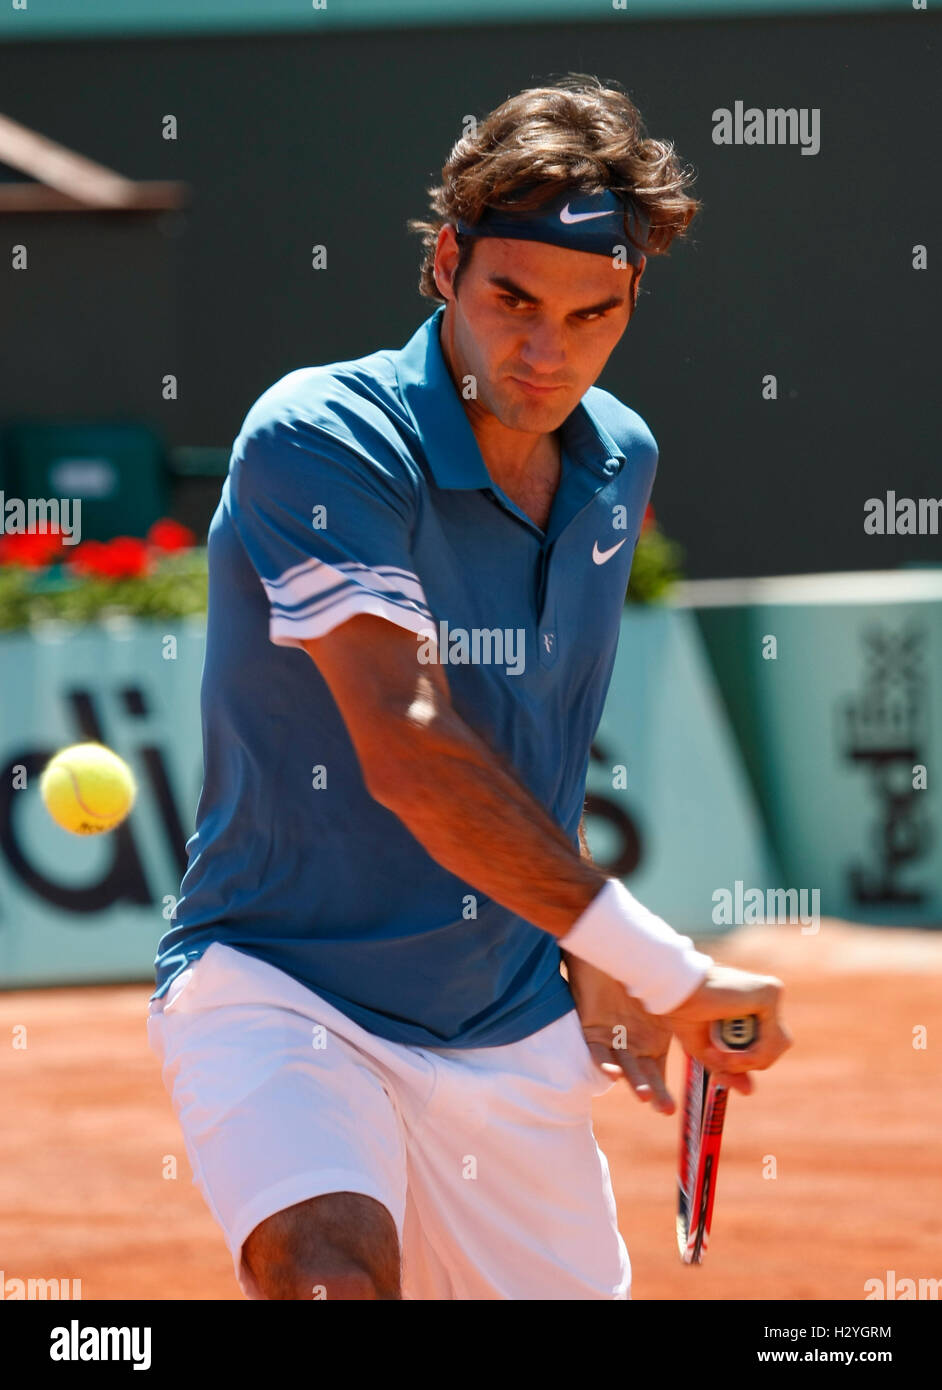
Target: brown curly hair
(575,134)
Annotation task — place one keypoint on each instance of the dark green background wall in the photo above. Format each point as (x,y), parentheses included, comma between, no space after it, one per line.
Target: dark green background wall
(799,266)
(55,17)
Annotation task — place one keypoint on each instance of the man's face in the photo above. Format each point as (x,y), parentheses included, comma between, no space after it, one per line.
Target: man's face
(534,324)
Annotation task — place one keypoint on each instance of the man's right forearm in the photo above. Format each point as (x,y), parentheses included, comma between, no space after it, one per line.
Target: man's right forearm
(466,808)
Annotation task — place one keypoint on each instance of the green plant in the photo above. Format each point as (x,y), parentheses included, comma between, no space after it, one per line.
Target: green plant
(164,576)
(656,567)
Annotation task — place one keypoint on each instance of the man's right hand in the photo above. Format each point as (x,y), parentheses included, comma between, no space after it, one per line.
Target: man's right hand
(730,993)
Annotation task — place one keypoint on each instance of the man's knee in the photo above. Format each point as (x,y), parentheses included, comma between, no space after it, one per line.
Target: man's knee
(333,1280)
(342,1245)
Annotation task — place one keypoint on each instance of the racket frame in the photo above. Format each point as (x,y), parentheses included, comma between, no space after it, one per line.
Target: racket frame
(700,1140)
(701,1134)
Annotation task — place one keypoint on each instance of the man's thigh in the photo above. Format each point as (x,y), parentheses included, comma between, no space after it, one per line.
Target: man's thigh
(509,1194)
(275,1108)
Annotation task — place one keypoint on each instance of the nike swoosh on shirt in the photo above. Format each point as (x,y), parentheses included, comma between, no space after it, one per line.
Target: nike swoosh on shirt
(600,556)
(567,216)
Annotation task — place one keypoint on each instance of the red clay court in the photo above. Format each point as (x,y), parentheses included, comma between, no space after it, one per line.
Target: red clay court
(851,1117)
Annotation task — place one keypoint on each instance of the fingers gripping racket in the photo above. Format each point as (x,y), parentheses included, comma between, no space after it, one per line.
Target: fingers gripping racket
(700,1136)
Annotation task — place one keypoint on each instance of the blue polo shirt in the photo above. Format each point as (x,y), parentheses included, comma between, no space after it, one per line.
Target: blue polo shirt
(358,487)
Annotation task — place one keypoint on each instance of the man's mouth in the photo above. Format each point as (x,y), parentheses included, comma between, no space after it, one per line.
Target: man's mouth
(535,390)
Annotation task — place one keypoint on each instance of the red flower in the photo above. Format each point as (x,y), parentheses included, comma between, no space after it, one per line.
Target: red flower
(167,534)
(33,549)
(649,518)
(125,557)
(86,558)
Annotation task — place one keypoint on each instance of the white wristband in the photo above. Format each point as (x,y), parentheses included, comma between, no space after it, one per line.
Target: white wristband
(619,935)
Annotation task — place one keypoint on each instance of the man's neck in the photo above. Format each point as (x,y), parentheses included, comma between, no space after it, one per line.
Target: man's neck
(512,457)
(512,461)
(530,482)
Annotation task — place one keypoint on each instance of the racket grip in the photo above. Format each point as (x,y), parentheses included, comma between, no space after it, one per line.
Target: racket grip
(734,1034)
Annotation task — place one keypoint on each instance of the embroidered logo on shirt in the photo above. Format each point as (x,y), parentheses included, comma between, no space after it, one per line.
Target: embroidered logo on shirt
(600,556)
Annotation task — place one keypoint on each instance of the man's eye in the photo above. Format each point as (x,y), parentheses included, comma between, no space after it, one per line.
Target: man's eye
(590,316)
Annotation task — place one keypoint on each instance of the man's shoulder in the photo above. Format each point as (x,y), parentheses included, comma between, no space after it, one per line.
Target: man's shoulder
(333,395)
(630,432)
(351,405)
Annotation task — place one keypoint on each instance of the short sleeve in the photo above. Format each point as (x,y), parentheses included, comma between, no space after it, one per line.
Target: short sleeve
(327,530)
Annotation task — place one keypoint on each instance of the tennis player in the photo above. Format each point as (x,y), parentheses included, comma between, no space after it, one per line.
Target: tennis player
(416,575)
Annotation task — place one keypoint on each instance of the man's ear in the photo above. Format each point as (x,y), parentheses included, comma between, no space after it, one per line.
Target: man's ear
(636,282)
(446,261)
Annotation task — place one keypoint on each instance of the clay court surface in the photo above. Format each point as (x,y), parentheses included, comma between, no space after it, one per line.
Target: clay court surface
(852,1118)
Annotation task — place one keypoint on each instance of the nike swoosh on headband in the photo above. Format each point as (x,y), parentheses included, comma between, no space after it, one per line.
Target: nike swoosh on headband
(569,217)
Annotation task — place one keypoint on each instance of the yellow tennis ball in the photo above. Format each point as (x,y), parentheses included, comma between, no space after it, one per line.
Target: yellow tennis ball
(87,788)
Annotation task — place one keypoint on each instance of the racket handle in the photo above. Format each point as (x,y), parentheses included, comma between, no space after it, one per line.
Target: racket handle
(734,1034)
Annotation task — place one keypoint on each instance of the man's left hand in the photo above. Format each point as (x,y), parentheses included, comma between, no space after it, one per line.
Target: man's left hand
(624,1038)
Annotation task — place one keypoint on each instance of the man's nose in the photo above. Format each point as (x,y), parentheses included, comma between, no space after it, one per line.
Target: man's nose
(544,351)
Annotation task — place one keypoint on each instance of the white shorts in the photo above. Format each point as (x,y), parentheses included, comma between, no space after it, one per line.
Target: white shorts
(484,1157)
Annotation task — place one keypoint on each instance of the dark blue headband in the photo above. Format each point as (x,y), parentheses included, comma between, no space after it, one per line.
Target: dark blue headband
(577,221)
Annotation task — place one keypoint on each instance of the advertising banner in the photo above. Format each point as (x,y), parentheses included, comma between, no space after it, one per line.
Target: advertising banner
(670,808)
(834,684)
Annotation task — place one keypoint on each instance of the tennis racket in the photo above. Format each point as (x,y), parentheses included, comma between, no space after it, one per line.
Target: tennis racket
(701,1133)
